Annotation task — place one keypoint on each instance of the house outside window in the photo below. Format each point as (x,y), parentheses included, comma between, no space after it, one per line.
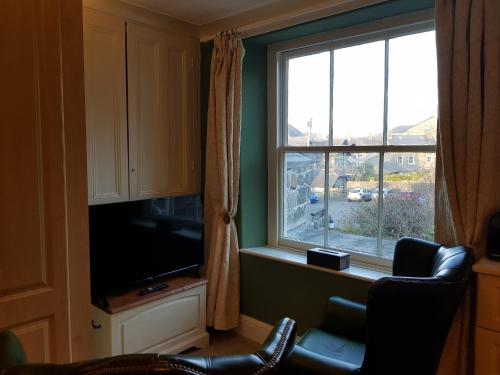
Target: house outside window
(346,111)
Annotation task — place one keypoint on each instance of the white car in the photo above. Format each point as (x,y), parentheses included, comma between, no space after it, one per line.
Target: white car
(385,191)
(359,195)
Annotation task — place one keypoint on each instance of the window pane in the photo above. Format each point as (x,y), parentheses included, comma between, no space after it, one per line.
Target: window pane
(308,100)
(408,198)
(358,94)
(412,105)
(353,211)
(303,198)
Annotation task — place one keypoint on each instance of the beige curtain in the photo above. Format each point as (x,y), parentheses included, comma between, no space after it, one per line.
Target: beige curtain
(222,182)
(468,169)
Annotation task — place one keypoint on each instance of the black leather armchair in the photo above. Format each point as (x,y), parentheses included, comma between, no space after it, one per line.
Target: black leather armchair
(267,360)
(403,327)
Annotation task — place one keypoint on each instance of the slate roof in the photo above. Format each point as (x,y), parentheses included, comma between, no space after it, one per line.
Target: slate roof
(411,140)
(402,128)
(296,159)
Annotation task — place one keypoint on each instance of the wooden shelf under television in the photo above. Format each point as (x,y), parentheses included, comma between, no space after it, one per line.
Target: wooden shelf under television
(132,298)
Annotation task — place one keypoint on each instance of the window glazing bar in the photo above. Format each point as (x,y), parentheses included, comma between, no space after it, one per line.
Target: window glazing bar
(284,103)
(326,197)
(361,149)
(330,131)
(380,201)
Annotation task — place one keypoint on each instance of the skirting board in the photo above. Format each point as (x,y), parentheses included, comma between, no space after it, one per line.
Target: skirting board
(253,329)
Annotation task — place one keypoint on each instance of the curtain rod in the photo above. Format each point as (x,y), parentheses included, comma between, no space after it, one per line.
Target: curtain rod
(295,18)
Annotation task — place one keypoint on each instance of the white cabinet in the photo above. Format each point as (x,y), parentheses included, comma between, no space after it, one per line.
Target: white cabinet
(168,326)
(106,108)
(154,151)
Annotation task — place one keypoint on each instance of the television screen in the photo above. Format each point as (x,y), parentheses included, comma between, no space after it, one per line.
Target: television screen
(132,243)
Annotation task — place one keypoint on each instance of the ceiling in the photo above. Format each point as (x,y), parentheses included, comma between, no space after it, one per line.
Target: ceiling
(200,12)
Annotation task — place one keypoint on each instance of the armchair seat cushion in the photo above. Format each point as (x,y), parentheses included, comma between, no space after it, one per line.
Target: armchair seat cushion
(329,345)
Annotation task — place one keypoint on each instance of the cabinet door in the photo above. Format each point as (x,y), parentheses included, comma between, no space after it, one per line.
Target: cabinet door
(487,352)
(105,97)
(43,217)
(148,126)
(160,103)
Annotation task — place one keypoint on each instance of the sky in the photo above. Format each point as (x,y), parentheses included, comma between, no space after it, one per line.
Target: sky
(358,94)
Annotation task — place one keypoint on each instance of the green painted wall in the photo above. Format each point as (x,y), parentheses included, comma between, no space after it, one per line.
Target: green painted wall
(270,289)
(253,180)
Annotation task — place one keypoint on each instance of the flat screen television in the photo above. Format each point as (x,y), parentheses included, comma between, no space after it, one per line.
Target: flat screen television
(135,243)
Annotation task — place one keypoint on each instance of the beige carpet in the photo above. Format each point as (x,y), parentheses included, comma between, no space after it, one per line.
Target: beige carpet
(226,343)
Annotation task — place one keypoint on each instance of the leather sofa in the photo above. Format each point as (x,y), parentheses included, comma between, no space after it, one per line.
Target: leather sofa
(404,325)
(268,360)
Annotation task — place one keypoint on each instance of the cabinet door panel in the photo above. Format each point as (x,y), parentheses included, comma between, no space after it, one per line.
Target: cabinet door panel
(487,352)
(183,152)
(488,306)
(151,327)
(161,121)
(179,167)
(105,96)
(148,126)
(35,337)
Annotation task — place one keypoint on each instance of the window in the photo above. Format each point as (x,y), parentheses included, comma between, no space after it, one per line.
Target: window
(348,112)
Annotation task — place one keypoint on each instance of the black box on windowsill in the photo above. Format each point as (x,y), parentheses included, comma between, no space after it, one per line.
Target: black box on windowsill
(335,260)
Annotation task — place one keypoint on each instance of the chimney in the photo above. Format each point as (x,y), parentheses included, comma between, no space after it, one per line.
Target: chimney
(309,127)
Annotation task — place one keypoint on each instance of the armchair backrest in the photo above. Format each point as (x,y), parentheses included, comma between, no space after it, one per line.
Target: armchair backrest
(419,258)
(409,314)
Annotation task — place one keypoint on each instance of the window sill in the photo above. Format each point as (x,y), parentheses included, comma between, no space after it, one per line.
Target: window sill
(355,271)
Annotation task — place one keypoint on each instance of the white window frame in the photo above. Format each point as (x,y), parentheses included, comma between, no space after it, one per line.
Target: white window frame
(278,54)
(400,159)
(411,159)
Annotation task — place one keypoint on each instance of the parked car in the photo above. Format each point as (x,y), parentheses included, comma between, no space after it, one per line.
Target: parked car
(313,198)
(412,197)
(385,191)
(359,195)
(408,196)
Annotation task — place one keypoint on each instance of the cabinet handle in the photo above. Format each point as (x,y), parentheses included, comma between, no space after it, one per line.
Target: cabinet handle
(132,170)
(95,325)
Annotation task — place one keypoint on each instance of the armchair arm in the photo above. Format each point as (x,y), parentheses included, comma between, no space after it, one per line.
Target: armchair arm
(305,362)
(345,318)
(267,360)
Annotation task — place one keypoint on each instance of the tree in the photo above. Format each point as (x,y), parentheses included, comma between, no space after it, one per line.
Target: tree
(404,214)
